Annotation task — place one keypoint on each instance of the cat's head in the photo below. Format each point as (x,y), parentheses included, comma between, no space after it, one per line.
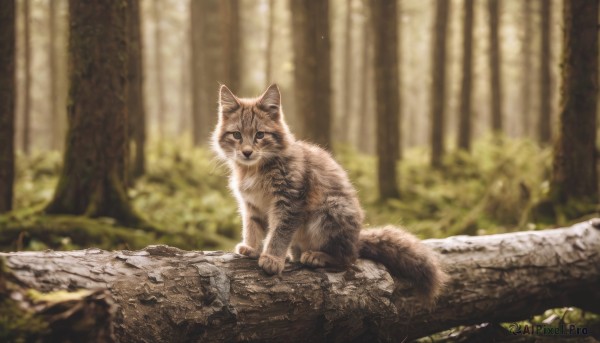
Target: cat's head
(250,131)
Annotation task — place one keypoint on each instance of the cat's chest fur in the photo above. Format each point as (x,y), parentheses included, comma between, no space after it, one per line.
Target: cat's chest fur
(253,189)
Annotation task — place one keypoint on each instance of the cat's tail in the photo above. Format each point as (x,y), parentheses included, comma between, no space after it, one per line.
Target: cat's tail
(405,256)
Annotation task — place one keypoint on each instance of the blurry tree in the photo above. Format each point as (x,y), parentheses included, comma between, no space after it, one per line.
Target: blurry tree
(347,77)
(55,119)
(270,39)
(312,69)
(158,66)
(26,139)
(365,82)
(464,128)
(184,81)
(7,103)
(574,168)
(135,96)
(438,90)
(495,60)
(545,116)
(385,24)
(94,169)
(207,67)
(231,43)
(526,72)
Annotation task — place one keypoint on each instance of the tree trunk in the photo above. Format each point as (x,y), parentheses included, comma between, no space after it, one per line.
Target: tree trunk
(574,167)
(195,64)
(365,134)
(184,123)
(347,78)
(384,20)
(438,90)
(158,66)
(164,294)
(545,117)
(527,68)
(207,67)
(464,128)
(270,40)
(312,79)
(135,92)
(7,103)
(55,119)
(231,43)
(94,169)
(495,60)
(26,139)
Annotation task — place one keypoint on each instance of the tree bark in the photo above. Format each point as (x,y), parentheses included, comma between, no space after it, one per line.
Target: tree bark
(438,86)
(385,31)
(270,41)
(207,67)
(231,43)
(365,130)
(545,116)
(312,79)
(26,137)
(494,64)
(94,169)
(527,66)
(347,79)
(55,119)
(195,68)
(135,92)
(574,166)
(7,103)
(464,128)
(158,67)
(164,294)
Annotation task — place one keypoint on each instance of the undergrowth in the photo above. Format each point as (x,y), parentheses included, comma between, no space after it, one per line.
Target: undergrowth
(184,192)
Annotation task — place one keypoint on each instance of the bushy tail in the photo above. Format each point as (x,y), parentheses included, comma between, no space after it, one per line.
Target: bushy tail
(405,256)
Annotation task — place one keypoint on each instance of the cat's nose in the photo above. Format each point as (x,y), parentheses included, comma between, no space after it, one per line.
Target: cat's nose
(247,153)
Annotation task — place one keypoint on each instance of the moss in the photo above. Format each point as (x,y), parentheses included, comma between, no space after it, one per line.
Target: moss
(37,231)
(18,323)
(68,232)
(58,296)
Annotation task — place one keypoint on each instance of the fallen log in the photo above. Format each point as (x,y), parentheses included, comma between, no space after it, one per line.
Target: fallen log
(163,294)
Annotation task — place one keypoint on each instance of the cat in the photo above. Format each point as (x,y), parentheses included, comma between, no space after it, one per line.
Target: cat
(295,199)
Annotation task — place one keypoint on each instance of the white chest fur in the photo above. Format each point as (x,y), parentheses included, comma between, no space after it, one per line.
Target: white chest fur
(251,189)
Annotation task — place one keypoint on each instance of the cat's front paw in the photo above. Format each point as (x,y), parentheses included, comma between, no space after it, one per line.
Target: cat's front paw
(271,264)
(246,250)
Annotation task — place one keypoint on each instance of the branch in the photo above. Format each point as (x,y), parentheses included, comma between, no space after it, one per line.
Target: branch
(164,294)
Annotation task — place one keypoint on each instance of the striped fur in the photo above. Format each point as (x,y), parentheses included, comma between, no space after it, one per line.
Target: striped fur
(295,199)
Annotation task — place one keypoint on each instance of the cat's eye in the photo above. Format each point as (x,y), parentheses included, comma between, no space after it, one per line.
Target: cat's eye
(260,135)
(237,135)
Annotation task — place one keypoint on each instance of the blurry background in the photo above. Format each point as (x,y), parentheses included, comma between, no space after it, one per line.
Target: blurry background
(504,81)
(262,50)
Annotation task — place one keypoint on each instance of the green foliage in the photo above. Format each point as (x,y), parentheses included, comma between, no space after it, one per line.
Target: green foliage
(488,191)
(184,194)
(531,329)
(186,189)
(17,323)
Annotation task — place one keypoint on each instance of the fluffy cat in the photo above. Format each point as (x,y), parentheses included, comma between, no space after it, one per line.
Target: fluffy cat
(296,199)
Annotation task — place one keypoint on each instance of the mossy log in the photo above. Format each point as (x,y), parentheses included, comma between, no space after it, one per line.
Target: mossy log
(163,294)
(61,316)
(18,231)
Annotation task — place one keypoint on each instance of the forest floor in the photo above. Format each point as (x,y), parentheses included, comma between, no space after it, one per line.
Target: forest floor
(184,195)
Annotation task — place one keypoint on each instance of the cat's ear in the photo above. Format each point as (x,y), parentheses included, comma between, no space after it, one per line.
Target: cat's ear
(270,101)
(228,102)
